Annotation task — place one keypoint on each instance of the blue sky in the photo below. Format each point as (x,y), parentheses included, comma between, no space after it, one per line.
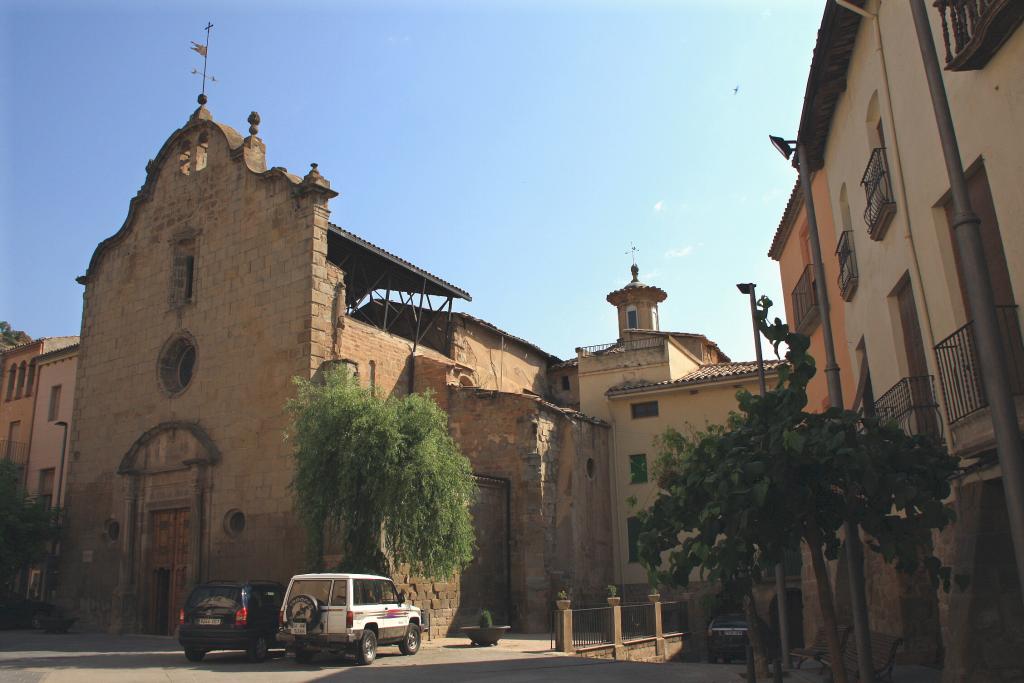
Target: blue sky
(515,149)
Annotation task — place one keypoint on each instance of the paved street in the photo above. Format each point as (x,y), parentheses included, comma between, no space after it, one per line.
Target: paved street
(33,657)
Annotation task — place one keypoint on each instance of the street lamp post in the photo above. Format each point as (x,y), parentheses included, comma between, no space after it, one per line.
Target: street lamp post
(51,558)
(749,288)
(854,547)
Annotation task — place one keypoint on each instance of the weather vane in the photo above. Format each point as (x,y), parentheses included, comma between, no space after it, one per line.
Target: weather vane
(632,251)
(203,50)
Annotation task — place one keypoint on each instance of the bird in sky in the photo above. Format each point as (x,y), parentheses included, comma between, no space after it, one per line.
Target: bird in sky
(735,90)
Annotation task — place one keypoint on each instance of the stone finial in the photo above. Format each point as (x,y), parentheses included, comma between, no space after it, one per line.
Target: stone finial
(254,123)
(313,175)
(202,99)
(636,272)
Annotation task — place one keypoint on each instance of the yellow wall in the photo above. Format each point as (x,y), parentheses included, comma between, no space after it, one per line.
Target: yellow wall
(688,409)
(45,450)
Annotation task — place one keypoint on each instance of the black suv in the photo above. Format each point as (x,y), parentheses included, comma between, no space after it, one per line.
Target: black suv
(230,615)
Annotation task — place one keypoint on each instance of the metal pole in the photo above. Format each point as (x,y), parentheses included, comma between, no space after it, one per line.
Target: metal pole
(979,294)
(854,553)
(63,450)
(780,570)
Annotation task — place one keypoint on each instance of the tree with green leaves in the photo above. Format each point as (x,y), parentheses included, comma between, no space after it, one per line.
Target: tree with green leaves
(383,475)
(26,526)
(736,497)
(11,337)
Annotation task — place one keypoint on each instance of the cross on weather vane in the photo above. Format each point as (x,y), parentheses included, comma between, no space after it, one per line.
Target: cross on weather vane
(203,50)
(632,251)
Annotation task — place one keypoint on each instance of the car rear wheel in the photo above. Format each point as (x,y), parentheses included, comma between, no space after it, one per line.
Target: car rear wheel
(195,655)
(367,651)
(257,651)
(304,656)
(410,645)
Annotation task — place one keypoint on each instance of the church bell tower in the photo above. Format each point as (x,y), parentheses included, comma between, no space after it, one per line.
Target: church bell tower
(637,304)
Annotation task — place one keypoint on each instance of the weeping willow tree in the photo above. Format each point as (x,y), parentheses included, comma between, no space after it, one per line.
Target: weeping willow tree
(383,475)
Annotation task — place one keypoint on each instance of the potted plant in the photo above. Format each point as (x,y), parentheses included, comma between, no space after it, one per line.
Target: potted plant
(563,600)
(486,633)
(613,596)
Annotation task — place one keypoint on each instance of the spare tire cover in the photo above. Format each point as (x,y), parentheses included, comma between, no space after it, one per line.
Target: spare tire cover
(304,609)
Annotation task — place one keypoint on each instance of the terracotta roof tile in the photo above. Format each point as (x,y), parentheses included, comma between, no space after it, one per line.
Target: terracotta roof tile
(702,375)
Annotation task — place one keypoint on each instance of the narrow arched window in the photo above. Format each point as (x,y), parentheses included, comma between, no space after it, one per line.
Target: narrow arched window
(12,371)
(21,380)
(31,377)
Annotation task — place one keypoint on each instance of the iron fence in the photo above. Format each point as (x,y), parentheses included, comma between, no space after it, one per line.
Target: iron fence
(675,618)
(959,372)
(637,621)
(613,347)
(847,265)
(805,301)
(878,189)
(911,404)
(592,627)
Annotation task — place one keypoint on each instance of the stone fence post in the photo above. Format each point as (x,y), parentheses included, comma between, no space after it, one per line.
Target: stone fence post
(659,633)
(563,627)
(616,605)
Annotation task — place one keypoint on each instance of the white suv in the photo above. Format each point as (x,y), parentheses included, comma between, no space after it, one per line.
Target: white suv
(347,613)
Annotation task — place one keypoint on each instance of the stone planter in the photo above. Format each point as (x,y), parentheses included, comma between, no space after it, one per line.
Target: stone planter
(480,635)
(562,604)
(614,602)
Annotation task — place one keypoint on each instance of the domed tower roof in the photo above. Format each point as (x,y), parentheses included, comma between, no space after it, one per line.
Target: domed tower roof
(636,291)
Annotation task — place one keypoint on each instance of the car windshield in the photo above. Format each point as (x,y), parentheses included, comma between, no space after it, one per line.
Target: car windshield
(317,588)
(729,622)
(215,596)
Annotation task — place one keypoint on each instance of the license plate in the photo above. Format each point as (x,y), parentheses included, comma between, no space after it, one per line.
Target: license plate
(202,621)
(299,629)
(734,633)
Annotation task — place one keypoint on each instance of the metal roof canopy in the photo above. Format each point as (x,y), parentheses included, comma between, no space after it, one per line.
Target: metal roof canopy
(373,275)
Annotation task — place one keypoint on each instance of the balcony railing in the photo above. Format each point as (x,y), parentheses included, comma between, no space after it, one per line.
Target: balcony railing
(974,30)
(878,188)
(847,265)
(614,347)
(911,404)
(960,373)
(14,451)
(805,302)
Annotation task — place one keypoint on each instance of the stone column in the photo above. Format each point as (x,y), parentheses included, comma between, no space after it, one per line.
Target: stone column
(123,610)
(563,627)
(659,633)
(196,523)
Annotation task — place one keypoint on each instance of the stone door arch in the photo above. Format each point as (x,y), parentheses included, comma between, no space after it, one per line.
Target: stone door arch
(164,479)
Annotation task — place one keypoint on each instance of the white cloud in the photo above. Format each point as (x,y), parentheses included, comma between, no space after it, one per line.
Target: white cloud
(659,206)
(679,252)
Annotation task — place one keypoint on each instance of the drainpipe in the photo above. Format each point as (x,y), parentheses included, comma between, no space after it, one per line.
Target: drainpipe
(990,355)
(854,548)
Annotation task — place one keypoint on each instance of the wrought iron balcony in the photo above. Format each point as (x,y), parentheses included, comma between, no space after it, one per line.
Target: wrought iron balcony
(881,206)
(806,313)
(974,30)
(14,451)
(962,389)
(847,265)
(911,404)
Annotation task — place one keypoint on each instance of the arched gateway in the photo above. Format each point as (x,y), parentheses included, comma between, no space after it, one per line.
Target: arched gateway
(165,488)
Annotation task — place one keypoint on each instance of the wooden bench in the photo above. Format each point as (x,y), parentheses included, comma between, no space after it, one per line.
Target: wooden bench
(819,648)
(883,657)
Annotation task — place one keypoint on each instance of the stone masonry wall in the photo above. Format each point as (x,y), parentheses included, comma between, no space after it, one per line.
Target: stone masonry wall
(558,500)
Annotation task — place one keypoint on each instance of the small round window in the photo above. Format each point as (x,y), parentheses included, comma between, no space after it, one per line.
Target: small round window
(234,522)
(177,364)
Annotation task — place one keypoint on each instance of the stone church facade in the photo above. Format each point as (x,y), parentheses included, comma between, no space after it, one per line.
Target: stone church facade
(227,280)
